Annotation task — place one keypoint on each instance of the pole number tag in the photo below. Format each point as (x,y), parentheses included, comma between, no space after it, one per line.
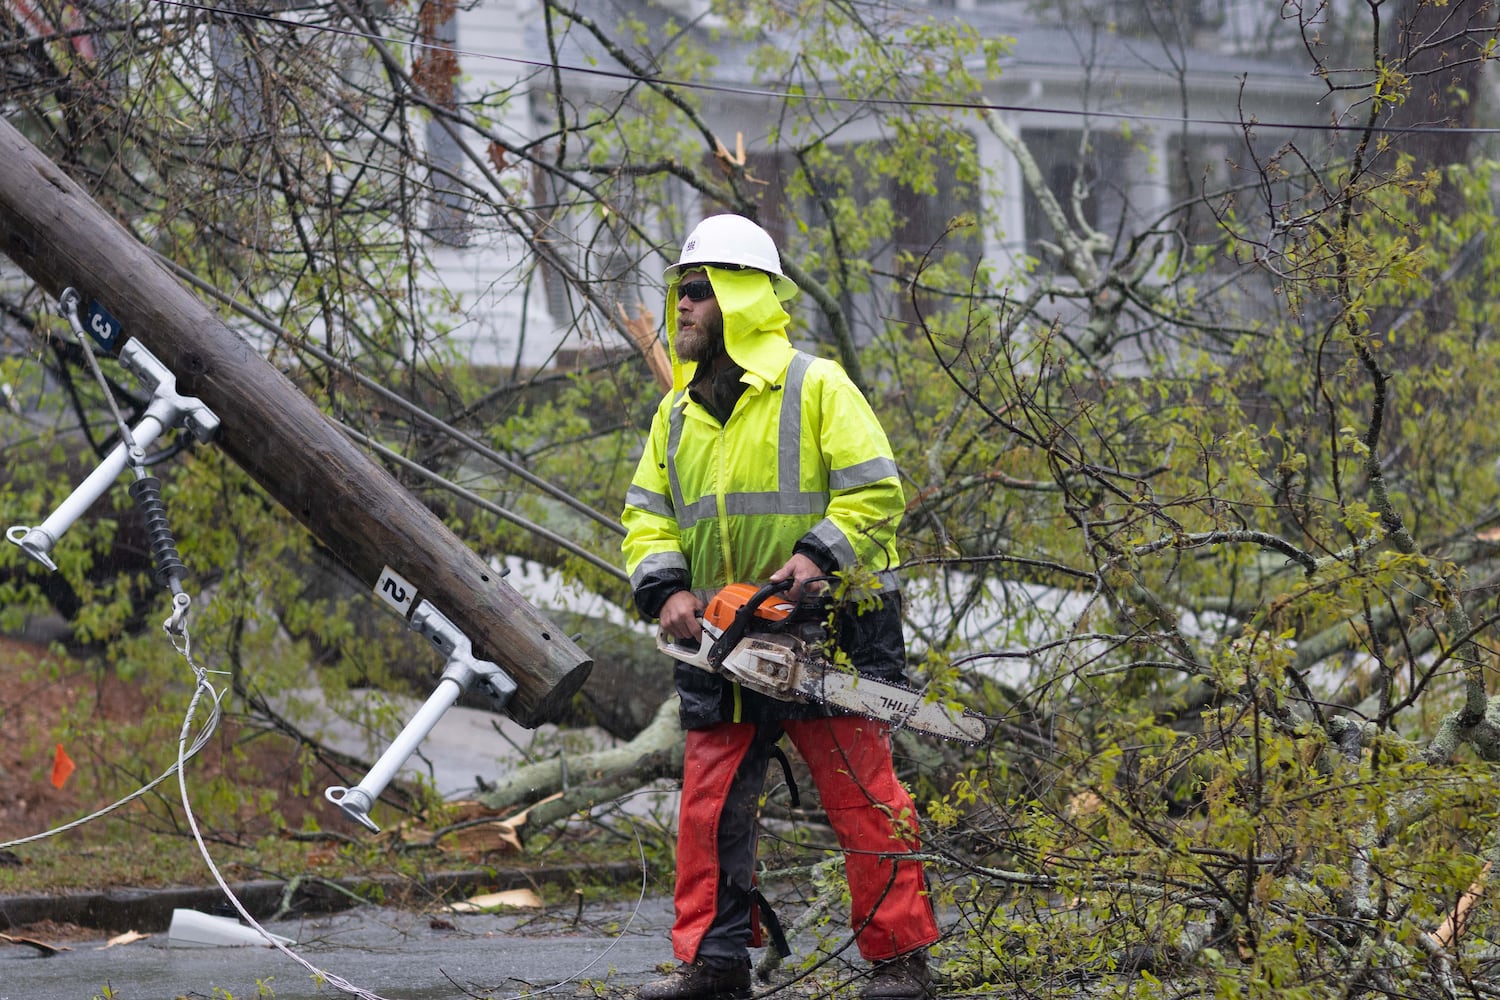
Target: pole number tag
(395,590)
(103,327)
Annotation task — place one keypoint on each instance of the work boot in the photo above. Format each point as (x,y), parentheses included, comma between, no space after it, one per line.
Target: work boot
(704,978)
(902,978)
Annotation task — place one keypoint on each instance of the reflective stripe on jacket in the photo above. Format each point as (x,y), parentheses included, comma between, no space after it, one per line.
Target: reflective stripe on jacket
(800,456)
(801,464)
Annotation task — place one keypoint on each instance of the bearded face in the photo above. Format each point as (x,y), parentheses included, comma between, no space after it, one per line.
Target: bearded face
(700,325)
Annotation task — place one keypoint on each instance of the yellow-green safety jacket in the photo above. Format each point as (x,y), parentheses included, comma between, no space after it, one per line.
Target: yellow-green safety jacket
(802,464)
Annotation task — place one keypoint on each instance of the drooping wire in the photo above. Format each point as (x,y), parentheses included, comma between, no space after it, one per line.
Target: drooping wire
(795,96)
(447,484)
(635,911)
(68,304)
(145,488)
(198,743)
(147,492)
(203,689)
(448,430)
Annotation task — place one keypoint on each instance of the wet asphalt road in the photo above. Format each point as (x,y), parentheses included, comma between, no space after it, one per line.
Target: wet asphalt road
(605,951)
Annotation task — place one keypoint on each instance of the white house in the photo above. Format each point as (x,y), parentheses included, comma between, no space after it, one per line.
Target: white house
(1154,99)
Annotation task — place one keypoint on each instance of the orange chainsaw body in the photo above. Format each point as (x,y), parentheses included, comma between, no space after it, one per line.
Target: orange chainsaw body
(723,606)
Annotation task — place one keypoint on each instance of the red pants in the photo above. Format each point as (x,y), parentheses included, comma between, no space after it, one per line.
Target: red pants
(871,814)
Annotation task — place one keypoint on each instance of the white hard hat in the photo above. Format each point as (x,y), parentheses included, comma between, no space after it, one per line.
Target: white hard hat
(736,241)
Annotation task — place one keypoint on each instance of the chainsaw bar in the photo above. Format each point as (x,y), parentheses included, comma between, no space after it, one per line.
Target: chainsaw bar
(781,666)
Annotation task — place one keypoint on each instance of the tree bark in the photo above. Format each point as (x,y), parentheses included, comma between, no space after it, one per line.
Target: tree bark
(58,235)
(589,779)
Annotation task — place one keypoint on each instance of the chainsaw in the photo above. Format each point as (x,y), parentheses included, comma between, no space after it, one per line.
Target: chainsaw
(771,645)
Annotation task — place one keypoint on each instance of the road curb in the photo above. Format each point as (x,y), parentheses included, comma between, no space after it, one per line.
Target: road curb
(150,910)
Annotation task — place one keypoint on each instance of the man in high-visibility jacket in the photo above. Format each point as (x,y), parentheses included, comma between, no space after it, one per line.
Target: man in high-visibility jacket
(767,464)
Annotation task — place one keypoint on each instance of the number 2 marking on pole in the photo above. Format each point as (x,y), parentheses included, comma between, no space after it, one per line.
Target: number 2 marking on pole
(395,590)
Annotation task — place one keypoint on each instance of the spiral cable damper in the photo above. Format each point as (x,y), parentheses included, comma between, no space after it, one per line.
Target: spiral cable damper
(169,567)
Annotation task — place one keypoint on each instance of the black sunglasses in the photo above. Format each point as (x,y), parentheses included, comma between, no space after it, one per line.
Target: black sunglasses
(697,291)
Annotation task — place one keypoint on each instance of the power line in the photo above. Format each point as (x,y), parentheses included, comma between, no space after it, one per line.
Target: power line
(791,96)
(412,408)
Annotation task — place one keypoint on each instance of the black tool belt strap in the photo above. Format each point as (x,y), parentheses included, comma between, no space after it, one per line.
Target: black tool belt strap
(779,755)
(772,924)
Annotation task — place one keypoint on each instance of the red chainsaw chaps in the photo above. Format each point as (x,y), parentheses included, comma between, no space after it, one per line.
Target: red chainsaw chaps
(710,760)
(871,814)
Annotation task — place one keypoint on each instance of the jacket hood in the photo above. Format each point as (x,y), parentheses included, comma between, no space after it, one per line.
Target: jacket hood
(754,325)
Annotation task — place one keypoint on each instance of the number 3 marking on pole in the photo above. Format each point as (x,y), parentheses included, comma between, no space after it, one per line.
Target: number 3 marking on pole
(395,590)
(103,327)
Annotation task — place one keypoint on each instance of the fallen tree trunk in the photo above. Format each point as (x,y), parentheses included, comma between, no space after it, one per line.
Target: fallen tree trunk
(587,780)
(62,238)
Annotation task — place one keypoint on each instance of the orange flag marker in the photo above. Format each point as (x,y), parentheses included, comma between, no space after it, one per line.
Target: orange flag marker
(62,766)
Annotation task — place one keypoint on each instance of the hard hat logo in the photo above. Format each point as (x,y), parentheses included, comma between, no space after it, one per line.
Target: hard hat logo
(733,241)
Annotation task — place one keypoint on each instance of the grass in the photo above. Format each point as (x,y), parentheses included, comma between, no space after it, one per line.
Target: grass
(248,787)
(124,855)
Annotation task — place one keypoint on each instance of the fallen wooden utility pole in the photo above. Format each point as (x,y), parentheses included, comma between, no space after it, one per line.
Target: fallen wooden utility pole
(62,238)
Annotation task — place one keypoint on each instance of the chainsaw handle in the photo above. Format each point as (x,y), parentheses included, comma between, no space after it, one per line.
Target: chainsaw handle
(736,630)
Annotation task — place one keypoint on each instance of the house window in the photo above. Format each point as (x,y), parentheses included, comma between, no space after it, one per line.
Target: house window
(920,235)
(1089,178)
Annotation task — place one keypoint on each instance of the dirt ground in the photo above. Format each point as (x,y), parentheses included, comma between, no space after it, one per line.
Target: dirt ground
(33,706)
(38,694)
(29,709)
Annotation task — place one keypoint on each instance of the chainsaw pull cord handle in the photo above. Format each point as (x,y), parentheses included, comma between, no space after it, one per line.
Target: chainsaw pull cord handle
(742,618)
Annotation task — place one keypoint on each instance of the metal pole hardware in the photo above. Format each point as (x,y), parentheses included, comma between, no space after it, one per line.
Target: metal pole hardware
(463,672)
(167,409)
